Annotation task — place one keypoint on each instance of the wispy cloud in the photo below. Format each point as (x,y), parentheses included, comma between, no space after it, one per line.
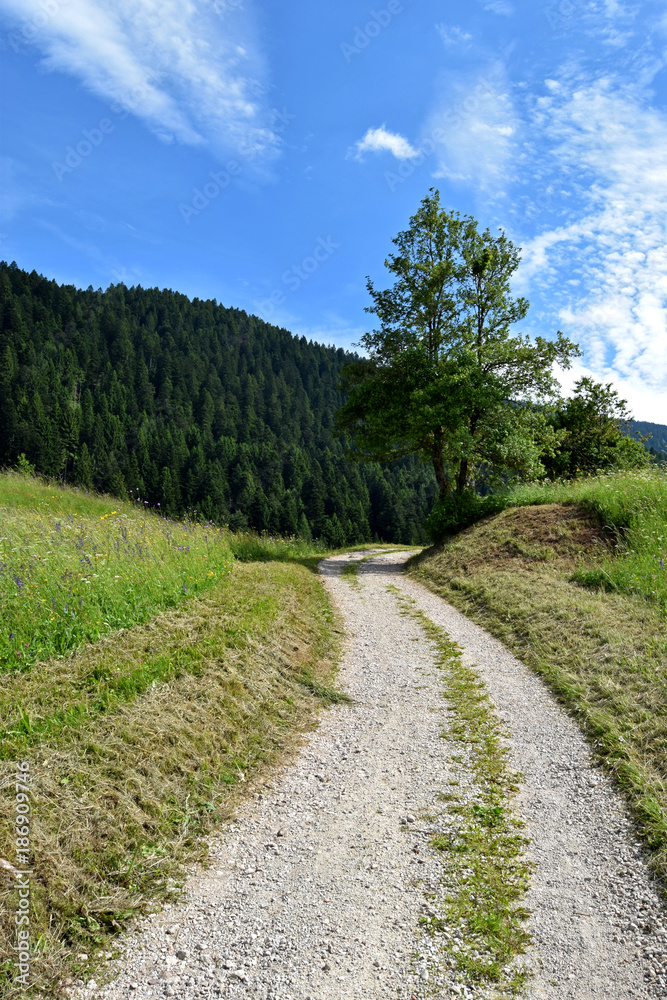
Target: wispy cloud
(502,7)
(169,62)
(332,330)
(453,36)
(604,269)
(379,140)
(477,128)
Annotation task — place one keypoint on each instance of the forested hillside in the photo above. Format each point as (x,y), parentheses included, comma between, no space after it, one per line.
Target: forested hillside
(657,436)
(191,406)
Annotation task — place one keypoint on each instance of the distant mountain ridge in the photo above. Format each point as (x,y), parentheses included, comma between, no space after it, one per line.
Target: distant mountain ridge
(658,439)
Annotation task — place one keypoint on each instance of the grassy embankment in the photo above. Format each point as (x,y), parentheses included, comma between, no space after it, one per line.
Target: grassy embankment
(573,578)
(147,676)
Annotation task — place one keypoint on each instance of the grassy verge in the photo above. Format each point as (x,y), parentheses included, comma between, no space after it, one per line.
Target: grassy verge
(603,652)
(632,509)
(139,744)
(74,567)
(478,920)
(251,546)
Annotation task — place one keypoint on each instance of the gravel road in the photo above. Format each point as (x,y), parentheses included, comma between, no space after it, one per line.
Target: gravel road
(317,888)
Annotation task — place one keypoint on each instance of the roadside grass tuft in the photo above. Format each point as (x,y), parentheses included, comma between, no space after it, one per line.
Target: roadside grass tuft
(485,871)
(252,546)
(602,651)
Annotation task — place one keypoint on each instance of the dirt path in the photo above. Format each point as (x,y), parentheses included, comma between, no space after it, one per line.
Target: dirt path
(317,889)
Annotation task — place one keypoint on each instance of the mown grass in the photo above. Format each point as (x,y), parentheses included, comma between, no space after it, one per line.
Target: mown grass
(137,745)
(485,870)
(632,508)
(74,566)
(142,741)
(602,650)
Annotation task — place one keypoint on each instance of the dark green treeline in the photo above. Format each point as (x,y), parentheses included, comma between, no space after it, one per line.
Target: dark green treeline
(192,406)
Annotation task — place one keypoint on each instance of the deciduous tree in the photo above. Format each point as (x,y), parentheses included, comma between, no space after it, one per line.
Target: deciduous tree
(594,427)
(445,375)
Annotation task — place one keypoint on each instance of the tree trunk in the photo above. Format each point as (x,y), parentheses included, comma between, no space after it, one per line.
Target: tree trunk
(464,467)
(462,476)
(439,463)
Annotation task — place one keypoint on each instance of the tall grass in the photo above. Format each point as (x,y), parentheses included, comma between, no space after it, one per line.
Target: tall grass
(74,567)
(249,546)
(632,506)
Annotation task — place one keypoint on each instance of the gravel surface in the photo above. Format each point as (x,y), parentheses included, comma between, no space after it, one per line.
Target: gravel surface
(317,888)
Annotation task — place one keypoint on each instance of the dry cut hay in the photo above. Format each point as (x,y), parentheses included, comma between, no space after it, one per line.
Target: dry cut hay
(128,777)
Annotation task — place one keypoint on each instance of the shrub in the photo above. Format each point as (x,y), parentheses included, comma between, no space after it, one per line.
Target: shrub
(459,510)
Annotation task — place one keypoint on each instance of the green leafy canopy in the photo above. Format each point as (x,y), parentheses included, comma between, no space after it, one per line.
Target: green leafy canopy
(444,375)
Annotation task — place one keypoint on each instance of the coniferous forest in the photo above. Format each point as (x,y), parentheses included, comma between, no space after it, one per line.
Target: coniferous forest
(191,406)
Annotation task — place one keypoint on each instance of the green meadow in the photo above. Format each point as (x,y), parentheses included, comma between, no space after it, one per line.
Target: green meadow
(74,567)
(154,672)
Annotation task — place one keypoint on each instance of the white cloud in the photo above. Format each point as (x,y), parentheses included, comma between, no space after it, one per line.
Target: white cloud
(615,148)
(502,7)
(379,140)
(167,61)
(644,402)
(474,131)
(453,36)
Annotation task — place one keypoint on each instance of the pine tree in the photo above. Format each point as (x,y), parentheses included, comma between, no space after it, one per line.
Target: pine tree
(83,467)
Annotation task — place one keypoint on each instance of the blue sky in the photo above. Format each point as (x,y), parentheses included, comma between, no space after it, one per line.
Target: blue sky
(265,154)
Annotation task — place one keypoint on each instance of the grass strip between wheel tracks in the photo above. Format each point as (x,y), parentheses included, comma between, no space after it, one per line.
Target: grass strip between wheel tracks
(478,917)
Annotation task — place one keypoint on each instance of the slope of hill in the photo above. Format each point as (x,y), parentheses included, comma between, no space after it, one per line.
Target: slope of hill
(190,406)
